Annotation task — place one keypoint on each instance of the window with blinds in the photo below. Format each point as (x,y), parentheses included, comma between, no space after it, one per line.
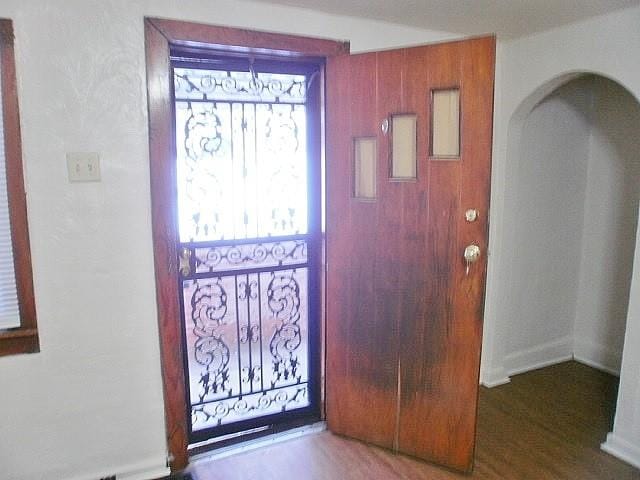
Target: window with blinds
(9,310)
(18,323)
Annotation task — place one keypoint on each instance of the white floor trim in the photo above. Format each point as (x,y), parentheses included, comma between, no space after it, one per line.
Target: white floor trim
(143,470)
(597,365)
(495,381)
(552,353)
(493,377)
(622,449)
(597,356)
(260,442)
(540,364)
(540,356)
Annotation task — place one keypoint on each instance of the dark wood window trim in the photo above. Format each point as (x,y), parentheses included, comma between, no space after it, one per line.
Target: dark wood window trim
(161,36)
(25,338)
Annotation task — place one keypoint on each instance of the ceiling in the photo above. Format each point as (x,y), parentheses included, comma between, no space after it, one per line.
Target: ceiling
(510,18)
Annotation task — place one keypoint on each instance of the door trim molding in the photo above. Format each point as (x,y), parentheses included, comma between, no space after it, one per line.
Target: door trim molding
(160,36)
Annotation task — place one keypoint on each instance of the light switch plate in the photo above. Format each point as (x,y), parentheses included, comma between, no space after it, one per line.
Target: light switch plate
(83,166)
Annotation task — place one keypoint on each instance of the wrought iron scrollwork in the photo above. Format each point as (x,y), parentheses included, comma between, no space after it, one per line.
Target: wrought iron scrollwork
(202,144)
(203,134)
(219,411)
(235,257)
(227,85)
(283,296)
(245,370)
(223,140)
(242,177)
(208,309)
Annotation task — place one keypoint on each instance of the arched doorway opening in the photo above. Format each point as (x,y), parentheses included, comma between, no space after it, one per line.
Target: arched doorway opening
(569,225)
(571,217)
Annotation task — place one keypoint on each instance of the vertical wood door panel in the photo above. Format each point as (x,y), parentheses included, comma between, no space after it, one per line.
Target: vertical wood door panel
(363,386)
(404,320)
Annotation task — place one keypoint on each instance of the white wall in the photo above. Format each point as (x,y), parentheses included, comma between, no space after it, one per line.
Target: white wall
(529,68)
(624,441)
(543,233)
(610,221)
(90,403)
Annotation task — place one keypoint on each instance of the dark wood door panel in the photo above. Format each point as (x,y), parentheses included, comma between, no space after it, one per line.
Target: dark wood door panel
(439,386)
(404,320)
(361,400)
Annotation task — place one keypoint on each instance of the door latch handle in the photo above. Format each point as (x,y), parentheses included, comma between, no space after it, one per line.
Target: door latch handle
(185,261)
(471,255)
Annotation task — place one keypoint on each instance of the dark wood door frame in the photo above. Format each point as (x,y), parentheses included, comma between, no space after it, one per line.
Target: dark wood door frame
(161,36)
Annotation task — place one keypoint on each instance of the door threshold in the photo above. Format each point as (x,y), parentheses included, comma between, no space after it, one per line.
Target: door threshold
(264,441)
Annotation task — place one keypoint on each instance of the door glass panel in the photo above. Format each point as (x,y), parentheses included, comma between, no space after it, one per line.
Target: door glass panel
(403,146)
(365,156)
(242,185)
(445,123)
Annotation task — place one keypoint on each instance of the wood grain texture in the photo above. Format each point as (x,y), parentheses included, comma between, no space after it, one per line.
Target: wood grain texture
(247,41)
(516,440)
(163,214)
(404,321)
(160,36)
(361,385)
(440,385)
(25,338)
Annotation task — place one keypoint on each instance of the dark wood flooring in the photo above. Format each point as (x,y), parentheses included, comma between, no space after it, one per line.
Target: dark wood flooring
(545,424)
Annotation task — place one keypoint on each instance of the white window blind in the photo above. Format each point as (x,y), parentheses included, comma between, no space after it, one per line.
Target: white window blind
(9,312)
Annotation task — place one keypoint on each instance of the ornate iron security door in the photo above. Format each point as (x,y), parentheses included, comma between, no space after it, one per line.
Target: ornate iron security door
(249,235)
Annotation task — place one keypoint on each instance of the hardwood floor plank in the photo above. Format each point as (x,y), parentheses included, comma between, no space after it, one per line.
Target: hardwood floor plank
(545,424)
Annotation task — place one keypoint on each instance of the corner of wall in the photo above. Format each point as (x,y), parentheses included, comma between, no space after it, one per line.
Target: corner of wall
(540,356)
(494,378)
(622,449)
(597,355)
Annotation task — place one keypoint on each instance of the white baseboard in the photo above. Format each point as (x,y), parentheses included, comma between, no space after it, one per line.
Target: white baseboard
(145,474)
(143,470)
(597,356)
(622,449)
(495,382)
(540,356)
(494,378)
(594,355)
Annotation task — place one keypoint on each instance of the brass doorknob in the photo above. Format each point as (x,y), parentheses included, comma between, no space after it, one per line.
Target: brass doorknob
(471,253)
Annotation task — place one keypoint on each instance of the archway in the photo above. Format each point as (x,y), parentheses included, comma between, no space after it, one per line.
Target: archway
(571,194)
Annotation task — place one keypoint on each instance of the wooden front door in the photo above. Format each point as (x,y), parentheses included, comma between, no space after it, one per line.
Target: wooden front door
(404,307)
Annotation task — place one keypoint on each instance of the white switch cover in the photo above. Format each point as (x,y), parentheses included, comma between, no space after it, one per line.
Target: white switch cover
(83,166)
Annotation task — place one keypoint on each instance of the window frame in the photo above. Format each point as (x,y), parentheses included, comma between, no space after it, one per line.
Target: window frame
(23,339)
